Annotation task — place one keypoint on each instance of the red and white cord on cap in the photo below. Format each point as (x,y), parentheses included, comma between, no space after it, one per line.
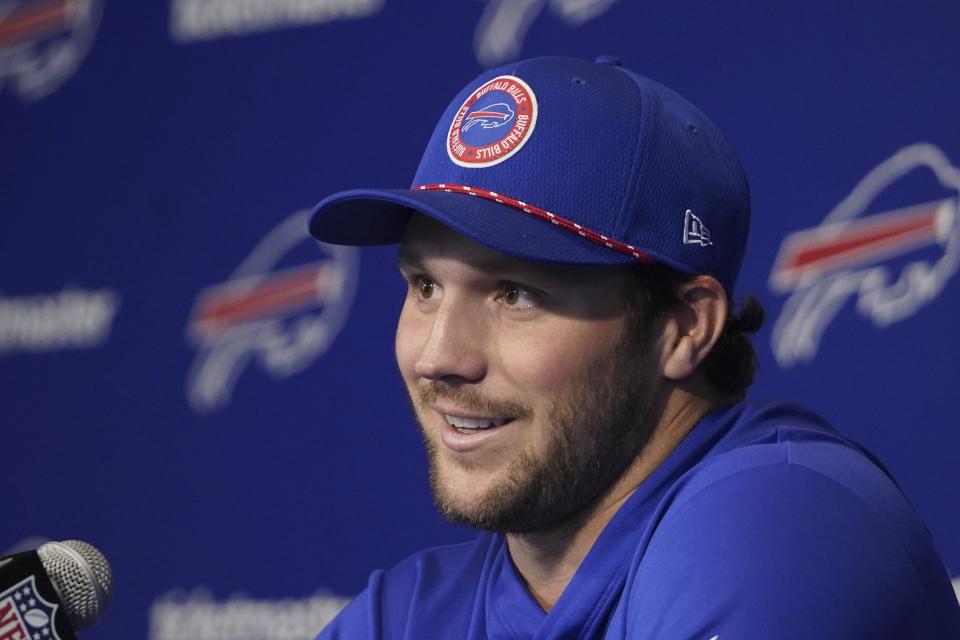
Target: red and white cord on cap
(573,227)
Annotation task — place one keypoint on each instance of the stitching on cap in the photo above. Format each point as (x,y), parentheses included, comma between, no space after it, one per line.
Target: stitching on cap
(543,214)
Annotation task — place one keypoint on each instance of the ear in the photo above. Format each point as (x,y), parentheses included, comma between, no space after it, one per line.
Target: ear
(693,327)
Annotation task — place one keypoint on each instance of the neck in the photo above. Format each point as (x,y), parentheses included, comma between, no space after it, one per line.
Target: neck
(547,560)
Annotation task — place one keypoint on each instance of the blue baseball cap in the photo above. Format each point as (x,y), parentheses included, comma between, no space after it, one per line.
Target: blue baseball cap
(568,161)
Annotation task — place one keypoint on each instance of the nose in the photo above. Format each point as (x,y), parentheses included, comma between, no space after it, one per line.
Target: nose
(454,345)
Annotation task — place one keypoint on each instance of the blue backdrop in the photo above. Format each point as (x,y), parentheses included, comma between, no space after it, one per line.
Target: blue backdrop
(191,384)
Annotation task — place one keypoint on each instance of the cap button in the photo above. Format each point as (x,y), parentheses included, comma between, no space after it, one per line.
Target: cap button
(611,60)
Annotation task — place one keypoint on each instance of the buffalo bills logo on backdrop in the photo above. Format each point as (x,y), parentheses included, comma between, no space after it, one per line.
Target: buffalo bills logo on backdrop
(282,317)
(42,42)
(25,614)
(891,261)
(493,123)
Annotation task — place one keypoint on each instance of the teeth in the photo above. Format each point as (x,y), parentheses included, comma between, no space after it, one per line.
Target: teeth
(474,424)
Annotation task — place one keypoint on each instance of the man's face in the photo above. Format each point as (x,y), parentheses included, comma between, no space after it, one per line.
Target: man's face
(531,398)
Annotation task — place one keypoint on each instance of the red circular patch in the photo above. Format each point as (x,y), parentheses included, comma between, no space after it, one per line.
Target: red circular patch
(493,123)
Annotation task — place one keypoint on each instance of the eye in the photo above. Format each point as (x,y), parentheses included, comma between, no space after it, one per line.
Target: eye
(426,289)
(516,297)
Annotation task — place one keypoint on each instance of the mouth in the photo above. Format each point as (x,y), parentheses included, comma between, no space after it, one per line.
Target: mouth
(463,432)
(467,425)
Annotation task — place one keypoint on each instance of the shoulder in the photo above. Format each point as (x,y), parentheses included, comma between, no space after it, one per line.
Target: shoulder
(799,532)
(801,458)
(433,579)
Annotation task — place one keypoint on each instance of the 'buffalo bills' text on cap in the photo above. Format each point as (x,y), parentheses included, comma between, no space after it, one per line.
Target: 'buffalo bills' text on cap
(568,161)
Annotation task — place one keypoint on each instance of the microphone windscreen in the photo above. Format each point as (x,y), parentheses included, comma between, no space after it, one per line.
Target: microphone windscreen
(82,578)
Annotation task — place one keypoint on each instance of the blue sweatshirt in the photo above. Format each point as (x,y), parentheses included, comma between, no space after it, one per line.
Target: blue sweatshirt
(763,523)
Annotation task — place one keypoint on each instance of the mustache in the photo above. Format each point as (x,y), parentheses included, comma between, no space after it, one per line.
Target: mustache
(469,399)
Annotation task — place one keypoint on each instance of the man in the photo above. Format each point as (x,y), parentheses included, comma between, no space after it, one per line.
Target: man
(571,245)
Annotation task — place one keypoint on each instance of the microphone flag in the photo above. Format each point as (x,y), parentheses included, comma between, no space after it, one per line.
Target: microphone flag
(29,604)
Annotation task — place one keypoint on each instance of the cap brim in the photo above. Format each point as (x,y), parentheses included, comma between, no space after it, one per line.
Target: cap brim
(379,216)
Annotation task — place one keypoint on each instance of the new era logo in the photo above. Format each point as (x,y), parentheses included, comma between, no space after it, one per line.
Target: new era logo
(694,231)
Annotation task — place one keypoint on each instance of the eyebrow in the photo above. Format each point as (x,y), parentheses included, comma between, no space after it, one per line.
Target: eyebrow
(512,268)
(494,264)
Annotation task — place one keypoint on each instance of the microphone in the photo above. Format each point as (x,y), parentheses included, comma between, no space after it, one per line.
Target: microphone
(53,591)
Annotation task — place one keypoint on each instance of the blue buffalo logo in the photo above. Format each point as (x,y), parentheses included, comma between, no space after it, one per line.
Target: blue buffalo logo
(275,310)
(489,117)
(892,262)
(43,42)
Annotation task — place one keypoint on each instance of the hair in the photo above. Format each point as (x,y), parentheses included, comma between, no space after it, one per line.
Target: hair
(730,366)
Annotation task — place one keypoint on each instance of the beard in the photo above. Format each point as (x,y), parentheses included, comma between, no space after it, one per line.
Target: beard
(594,432)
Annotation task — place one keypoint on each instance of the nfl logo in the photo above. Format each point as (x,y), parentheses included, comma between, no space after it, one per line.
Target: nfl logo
(25,614)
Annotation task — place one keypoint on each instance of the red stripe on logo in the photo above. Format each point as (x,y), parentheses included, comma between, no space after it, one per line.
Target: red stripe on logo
(533,210)
(36,21)
(11,624)
(488,114)
(843,245)
(233,304)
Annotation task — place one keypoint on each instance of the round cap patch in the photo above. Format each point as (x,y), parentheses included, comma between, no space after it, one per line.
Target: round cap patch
(493,123)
